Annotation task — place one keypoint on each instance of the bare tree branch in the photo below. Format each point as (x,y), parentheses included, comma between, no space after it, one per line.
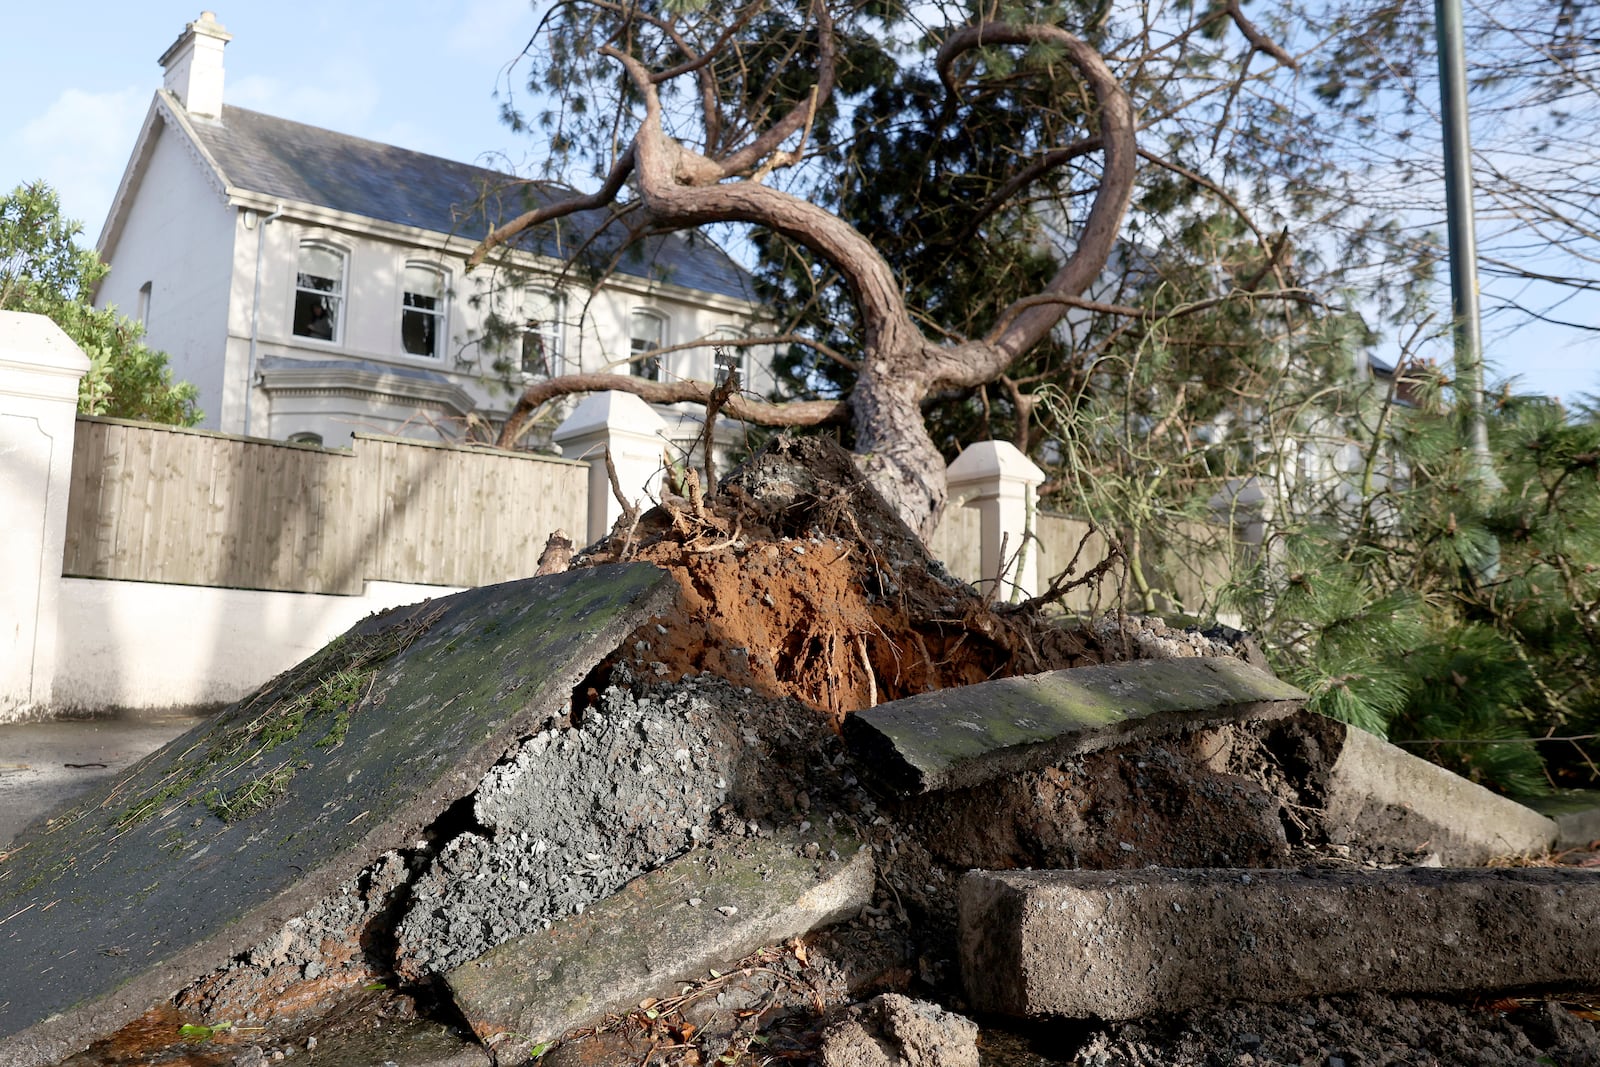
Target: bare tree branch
(603,196)
(789,413)
(1098,234)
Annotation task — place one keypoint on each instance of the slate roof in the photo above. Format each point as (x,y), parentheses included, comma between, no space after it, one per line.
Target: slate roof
(293,161)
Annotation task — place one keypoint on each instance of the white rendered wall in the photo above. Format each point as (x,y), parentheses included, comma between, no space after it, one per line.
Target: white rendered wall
(145,645)
(199,253)
(178,236)
(371,316)
(39,372)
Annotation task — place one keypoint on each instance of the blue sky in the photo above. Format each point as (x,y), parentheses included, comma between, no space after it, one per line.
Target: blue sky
(78,80)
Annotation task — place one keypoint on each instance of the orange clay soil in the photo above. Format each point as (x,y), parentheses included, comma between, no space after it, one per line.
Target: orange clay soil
(798,580)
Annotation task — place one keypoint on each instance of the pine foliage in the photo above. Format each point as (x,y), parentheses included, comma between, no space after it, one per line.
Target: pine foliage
(1459,620)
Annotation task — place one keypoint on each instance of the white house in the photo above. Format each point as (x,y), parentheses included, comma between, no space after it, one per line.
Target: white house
(313,284)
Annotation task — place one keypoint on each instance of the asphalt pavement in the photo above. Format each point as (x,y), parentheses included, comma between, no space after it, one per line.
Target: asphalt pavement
(45,766)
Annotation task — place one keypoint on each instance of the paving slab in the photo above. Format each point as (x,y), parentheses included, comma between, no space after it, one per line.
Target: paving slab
(224,835)
(1378,794)
(1126,944)
(703,910)
(957,738)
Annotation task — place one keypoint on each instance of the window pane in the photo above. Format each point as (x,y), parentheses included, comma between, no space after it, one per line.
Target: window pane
(322,263)
(645,337)
(422,311)
(424,282)
(727,357)
(419,332)
(314,316)
(535,354)
(541,333)
(541,305)
(319,286)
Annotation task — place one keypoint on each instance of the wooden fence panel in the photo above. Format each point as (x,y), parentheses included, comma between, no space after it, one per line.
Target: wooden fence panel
(454,516)
(1186,576)
(1060,539)
(190,507)
(958,542)
(161,504)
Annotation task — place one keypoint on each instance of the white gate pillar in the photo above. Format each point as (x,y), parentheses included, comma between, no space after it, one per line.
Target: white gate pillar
(634,433)
(39,372)
(1002,483)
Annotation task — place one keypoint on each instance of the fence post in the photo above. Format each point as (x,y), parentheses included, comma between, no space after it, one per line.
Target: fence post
(1002,483)
(633,431)
(39,372)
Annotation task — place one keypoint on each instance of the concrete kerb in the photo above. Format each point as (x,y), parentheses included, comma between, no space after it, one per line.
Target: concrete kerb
(703,910)
(957,738)
(1126,944)
(1380,794)
(1578,829)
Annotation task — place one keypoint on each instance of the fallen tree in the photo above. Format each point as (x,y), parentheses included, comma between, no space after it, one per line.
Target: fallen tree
(688,114)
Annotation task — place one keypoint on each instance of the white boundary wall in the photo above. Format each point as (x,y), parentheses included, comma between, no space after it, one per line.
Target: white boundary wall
(147,645)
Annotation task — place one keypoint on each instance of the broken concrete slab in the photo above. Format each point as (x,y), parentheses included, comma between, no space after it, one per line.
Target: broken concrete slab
(1576,813)
(1380,795)
(571,816)
(956,738)
(1125,944)
(357,1034)
(227,833)
(700,911)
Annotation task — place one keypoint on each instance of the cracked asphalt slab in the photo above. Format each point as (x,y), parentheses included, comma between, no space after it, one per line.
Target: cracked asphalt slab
(283,797)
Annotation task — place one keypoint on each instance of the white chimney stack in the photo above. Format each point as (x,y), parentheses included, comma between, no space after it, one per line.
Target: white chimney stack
(193,66)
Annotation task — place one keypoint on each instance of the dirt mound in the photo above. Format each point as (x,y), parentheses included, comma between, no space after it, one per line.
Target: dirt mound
(799,581)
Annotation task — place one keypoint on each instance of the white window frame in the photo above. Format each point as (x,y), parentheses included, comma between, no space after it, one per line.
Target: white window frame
(639,364)
(440,314)
(549,333)
(740,355)
(334,296)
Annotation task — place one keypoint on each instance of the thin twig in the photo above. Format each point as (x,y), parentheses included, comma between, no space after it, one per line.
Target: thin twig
(630,512)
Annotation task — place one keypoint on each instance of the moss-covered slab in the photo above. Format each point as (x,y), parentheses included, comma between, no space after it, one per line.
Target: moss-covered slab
(963,737)
(241,823)
(700,911)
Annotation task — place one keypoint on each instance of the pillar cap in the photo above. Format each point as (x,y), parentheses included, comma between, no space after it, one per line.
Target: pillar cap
(34,340)
(988,461)
(610,412)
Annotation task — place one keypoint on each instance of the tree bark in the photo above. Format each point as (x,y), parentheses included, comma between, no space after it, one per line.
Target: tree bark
(679,188)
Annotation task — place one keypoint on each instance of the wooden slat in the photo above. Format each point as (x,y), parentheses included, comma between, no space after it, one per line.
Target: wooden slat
(83,501)
(958,543)
(162,504)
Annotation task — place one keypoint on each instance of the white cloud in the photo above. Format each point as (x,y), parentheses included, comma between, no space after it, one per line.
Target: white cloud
(346,101)
(80,145)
